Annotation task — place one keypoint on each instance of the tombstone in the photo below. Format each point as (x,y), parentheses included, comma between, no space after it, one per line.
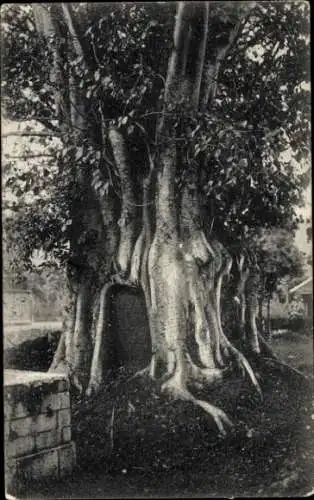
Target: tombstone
(128,328)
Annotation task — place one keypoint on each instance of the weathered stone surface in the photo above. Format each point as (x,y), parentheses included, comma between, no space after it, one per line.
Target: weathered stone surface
(66,434)
(44,422)
(67,459)
(20,446)
(38,465)
(64,418)
(64,400)
(20,381)
(37,427)
(22,427)
(6,430)
(15,409)
(49,439)
(10,474)
(26,377)
(51,402)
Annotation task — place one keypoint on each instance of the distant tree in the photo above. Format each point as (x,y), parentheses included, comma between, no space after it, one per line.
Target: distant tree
(278,258)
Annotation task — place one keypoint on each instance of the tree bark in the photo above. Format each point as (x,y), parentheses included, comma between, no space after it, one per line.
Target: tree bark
(268,329)
(260,313)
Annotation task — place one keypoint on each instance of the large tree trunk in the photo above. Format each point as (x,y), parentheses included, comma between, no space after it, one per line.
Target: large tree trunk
(190,349)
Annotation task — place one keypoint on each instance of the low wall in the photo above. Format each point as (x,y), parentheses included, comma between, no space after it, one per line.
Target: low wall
(37,420)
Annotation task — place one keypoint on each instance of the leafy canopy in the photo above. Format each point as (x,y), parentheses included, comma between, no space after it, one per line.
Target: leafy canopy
(250,143)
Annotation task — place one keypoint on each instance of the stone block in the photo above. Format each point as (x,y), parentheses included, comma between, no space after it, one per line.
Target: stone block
(49,439)
(37,427)
(15,409)
(21,427)
(38,466)
(44,422)
(6,430)
(64,418)
(20,446)
(64,385)
(67,459)
(31,389)
(10,475)
(66,434)
(51,402)
(13,378)
(64,400)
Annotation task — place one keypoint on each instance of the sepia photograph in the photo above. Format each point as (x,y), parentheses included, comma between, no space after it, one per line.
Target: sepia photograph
(157,250)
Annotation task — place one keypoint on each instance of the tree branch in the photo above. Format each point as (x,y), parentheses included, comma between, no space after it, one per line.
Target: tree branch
(67,11)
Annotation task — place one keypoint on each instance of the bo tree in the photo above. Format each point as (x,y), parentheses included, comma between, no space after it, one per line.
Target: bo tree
(173,121)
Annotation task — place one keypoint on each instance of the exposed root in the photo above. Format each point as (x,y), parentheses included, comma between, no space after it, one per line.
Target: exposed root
(253,337)
(204,376)
(220,418)
(240,358)
(178,391)
(272,357)
(111,429)
(287,367)
(145,372)
(96,372)
(243,362)
(267,348)
(137,258)
(59,355)
(76,383)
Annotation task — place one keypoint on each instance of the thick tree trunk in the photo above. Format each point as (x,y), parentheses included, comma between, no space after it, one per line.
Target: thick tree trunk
(180,270)
(186,270)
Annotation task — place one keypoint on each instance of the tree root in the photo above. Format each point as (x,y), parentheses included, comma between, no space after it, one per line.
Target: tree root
(59,355)
(203,376)
(271,356)
(141,373)
(137,258)
(287,367)
(178,391)
(96,371)
(243,362)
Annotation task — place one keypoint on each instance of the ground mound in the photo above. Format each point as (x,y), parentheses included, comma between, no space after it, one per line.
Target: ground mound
(131,427)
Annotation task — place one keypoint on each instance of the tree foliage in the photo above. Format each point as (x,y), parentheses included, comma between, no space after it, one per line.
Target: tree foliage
(278,258)
(249,145)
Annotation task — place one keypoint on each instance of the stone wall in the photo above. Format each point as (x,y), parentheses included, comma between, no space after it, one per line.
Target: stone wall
(37,420)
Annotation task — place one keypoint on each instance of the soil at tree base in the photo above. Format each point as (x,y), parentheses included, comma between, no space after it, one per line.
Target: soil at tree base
(134,442)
